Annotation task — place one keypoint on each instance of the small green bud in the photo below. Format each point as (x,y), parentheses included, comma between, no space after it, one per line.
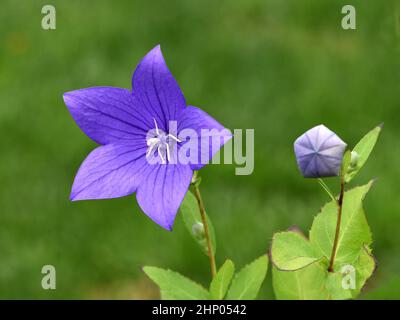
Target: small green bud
(198,230)
(196,179)
(354,159)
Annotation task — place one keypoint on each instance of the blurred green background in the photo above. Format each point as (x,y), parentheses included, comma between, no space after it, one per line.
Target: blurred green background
(279,67)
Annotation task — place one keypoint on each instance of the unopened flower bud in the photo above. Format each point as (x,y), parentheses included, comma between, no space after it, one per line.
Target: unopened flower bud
(198,230)
(319,152)
(354,159)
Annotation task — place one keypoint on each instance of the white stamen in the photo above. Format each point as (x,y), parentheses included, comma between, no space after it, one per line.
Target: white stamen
(155,123)
(149,151)
(162,143)
(152,141)
(160,154)
(173,137)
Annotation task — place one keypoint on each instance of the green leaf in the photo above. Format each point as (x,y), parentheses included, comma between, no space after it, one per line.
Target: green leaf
(351,278)
(222,280)
(313,281)
(354,229)
(292,251)
(335,287)
(365,267)
(174,286)
(247,282)
(192,219)
(304,284)
(364,148)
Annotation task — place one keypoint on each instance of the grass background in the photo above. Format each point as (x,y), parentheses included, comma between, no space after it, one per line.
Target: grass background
(279,67)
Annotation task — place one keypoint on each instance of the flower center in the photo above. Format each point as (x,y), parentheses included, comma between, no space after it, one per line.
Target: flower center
(161,143)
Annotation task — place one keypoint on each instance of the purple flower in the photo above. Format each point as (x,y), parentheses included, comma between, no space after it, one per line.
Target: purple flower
(132,125)
(319,152)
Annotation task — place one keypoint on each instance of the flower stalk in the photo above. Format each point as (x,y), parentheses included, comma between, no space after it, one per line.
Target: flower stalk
(210,252)
(326,189)
(339,219)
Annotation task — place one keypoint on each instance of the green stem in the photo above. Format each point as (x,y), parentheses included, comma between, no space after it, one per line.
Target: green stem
(206,229)
(340,207)
(326,188)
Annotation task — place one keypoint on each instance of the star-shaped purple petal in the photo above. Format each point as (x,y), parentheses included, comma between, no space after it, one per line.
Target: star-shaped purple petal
(120,121)
(319,152)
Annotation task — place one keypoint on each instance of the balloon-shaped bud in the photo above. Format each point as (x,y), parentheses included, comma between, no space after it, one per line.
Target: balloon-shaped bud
(354,159)
(198,230)
(319,153)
